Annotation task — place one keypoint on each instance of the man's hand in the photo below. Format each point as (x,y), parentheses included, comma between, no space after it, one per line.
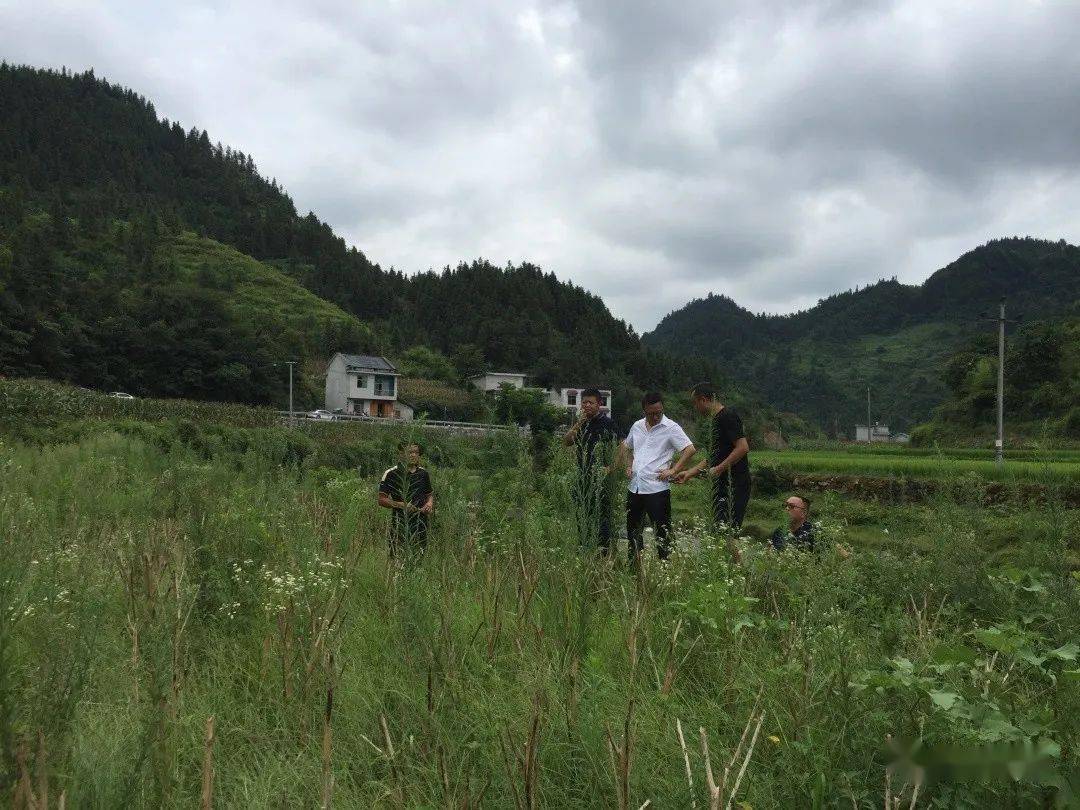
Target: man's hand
(683,477)
(629,471)
(427,508)
(665,474)
(714,472)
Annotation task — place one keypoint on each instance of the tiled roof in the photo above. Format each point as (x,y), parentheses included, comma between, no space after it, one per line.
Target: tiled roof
(369,362)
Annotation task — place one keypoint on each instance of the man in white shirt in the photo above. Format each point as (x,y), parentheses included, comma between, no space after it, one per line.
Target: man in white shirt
(651,443)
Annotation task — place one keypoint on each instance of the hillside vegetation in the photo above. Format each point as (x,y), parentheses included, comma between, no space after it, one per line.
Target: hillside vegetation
(1042,387)
(92,169)
(893,338)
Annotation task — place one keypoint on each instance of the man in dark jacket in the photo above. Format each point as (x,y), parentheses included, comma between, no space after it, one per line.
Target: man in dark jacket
(800,531)
(406,489)
(595,438)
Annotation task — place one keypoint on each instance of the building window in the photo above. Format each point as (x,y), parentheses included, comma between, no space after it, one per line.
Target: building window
(603,400)
(361,381)
(384,385)
(571,397)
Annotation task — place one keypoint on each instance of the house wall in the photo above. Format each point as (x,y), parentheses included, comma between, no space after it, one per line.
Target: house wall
(336,384)
(561,397)
(491,381)
(369,388)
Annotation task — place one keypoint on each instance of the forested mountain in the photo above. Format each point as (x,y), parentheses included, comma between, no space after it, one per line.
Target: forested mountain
(891,337)
(95,193)
(1042,384)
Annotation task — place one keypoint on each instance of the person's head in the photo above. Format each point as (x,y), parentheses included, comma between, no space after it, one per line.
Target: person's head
(703,396)
(590,402)
(652,405)
(798,510)
(411,453)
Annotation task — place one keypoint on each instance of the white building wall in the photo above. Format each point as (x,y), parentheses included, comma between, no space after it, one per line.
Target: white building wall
(492,380)
(336,384)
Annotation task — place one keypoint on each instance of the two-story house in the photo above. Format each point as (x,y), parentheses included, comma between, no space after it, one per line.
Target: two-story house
(364,385)
(570,399)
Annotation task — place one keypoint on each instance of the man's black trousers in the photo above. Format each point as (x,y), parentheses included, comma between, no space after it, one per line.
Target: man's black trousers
(657,505)
(729,502)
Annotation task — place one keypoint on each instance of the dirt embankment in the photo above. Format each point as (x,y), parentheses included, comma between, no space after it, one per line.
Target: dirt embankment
(915,490)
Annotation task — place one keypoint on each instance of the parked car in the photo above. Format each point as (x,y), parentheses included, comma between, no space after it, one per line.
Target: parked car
(121,395)
(320,414)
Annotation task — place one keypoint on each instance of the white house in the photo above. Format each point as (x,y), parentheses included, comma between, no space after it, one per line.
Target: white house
(570,398)
(363,385)
(493,380)
(878,433)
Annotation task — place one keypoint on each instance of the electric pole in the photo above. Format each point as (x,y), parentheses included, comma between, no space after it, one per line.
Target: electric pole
(1000,445)
(869,434)
(292,417)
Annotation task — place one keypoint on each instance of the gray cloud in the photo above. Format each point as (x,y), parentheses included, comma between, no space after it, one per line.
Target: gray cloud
(774,151)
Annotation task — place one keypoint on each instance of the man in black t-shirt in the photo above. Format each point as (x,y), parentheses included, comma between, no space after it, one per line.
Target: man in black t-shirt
(727,464)
(595,438)
(406,489)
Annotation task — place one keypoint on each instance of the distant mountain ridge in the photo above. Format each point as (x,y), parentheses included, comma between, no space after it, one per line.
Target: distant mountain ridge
(893,338)
(88,167)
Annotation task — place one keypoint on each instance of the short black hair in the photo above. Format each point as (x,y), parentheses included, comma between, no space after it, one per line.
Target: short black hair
(651,398)
(592,392)
(405,444)
(704,390)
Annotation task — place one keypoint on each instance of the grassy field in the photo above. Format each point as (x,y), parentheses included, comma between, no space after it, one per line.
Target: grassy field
(1058,466)
(162,576)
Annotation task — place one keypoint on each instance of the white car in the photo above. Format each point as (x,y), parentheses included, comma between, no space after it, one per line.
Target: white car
(320,414)
(120,395)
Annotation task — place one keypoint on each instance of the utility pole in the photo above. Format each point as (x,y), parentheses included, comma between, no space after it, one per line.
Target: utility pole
(1000,446)
(869,433)
(292,417)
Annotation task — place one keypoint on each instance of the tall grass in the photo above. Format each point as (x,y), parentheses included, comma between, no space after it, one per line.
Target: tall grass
(150,588)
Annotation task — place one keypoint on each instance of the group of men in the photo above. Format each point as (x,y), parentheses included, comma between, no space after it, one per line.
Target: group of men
(646,455)
(654,454)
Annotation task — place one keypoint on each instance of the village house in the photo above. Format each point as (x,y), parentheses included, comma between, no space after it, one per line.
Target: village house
(364,385)
(491,381)
(877,433)
(570,398)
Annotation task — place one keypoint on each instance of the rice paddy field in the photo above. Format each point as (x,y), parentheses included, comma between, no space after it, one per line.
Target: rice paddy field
(1018,466)
(201,613)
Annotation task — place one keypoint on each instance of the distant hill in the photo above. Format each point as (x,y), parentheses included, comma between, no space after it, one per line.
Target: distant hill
(90,169)
(1042,387)
(891,337)
(175,316)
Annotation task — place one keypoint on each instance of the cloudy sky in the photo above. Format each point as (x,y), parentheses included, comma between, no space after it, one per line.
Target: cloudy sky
(772,150)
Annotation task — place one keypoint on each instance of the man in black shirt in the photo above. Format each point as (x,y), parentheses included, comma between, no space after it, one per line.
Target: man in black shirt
(406,489)
(800,532)
(595,438)
(727,464)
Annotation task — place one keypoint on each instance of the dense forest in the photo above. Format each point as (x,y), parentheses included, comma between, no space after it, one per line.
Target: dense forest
(894,338)
(1042,384)
(96,195)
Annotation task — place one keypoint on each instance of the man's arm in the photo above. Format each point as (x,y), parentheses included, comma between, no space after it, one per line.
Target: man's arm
(387,502)
(625,456)
(685,455)
(571,435)
(742,447)
(429,501)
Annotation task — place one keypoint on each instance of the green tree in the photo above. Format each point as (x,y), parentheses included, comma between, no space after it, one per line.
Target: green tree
(426,363)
